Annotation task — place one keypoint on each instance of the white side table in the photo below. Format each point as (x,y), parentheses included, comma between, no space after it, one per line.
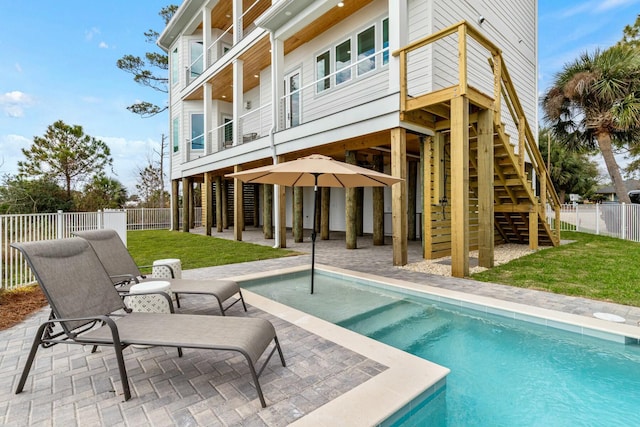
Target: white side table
(153,303)
(160,272)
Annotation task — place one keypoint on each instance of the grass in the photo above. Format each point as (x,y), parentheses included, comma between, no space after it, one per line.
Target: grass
(194,250)
(595,267)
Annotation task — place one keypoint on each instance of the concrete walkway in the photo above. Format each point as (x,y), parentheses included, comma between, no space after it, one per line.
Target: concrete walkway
(71,386)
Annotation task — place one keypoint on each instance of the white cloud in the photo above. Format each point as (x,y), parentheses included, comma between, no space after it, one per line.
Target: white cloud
(103,45)
(11,153)
(613,4)
(89,34)
(13,103)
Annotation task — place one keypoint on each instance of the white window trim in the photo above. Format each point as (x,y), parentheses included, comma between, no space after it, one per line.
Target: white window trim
(355,76)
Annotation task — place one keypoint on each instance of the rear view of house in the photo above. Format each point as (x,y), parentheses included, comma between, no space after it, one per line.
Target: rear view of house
(441,94)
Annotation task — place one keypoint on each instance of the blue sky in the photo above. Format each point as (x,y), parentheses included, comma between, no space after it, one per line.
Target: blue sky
(58,63)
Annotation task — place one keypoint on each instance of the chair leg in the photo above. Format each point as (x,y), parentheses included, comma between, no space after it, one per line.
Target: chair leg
(123,371)
(32,354)
(177,300)
(242,299)
(222,309)
(279,351)
(256,382)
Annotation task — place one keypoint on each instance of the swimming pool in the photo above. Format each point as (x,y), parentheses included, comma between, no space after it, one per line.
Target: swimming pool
(504,371)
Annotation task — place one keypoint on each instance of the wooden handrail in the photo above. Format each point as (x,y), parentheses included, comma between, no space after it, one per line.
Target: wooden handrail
(503,85)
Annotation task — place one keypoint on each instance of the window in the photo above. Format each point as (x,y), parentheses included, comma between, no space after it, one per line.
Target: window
(197,131)
(174,67)
(175,134)
(343,62)
(385,41)
(323,68)
(366,49)
(197,64)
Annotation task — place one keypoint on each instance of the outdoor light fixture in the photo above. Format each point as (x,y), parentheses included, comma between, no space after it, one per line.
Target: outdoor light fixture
(340,3)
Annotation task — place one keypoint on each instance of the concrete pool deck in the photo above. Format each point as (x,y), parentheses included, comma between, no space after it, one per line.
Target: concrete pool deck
(327,366)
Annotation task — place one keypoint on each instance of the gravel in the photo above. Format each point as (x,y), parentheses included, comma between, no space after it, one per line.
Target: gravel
(502,254)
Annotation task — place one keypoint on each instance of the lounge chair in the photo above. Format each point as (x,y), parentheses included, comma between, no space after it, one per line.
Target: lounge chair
(124,272)
(86,309)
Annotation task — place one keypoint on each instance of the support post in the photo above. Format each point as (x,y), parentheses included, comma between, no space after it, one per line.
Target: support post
(297,214)
(223,204)
(351,237)
(325,211)
(186,195)
(486,232)
(377,195)
(207,203)
(533,226)
(460,186)
(267,211)
(175,205)
(238,206)
(399,195)
(412,193)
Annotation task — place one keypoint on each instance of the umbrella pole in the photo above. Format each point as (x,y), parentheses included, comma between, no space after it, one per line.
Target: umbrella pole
(313,233)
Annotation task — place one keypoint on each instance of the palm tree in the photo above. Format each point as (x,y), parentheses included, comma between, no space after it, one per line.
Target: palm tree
(594,103)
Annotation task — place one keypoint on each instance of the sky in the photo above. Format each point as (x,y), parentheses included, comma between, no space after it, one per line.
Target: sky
(58,62)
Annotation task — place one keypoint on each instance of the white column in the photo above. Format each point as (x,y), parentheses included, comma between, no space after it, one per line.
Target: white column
(237,101)
(277,73)
(237,21)
(208,117)
(206,38)
(398,27)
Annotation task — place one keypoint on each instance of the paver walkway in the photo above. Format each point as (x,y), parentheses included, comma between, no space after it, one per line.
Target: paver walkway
(70,386)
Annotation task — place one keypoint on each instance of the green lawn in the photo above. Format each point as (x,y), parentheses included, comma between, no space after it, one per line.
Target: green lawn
(595,267)
(195,250)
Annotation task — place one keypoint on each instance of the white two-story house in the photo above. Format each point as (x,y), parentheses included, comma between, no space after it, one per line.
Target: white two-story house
(442,94)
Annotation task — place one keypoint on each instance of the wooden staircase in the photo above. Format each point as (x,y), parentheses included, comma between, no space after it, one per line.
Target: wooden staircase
(523,194)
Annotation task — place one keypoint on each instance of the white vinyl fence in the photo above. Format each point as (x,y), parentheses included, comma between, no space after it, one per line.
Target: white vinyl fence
(14,271)
(609,219)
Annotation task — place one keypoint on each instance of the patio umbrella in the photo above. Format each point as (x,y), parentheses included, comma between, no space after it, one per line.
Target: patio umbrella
(318,171)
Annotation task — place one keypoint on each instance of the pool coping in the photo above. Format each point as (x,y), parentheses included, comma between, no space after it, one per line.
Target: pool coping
(362,405)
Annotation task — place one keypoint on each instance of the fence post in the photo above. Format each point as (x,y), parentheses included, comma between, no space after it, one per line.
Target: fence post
(623,227)
(577,218)
(597,218)
(60,224)
(143,219)
(100,220)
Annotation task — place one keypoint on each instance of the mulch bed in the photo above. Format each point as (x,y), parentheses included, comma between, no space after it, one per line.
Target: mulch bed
(15,305)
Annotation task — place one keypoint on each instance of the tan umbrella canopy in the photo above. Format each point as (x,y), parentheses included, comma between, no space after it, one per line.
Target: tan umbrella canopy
(315,171)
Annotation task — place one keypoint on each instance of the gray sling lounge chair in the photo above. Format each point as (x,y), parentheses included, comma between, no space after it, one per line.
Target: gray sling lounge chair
(86,309)
(124,272)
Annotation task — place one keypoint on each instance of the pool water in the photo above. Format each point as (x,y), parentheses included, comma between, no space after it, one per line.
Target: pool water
(504,372)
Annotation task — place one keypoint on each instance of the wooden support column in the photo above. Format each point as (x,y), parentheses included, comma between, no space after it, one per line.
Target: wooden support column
(425,179)
(186,195)
(223,204)
(192,205)
(238,206)
(350,208)
(360,211)
(267,211)
(283,214)
(325,212)
(207,203)
(459,186)
(298,214)
(399,195)
(175,205)
(486,217)
(282,196)
(533,227)
(377,196)
(412,194)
